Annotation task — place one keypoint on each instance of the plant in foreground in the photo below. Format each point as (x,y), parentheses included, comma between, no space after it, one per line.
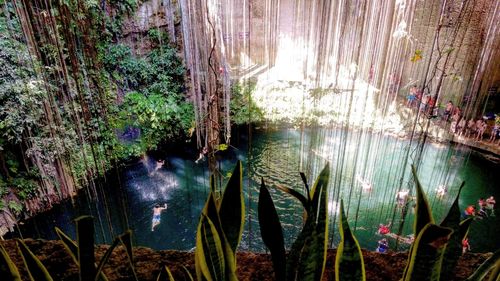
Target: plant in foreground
(432,256)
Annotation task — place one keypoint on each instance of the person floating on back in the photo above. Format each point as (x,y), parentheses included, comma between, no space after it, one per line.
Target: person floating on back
(156,215)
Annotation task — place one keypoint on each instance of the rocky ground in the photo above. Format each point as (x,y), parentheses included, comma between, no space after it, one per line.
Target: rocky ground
(251,266)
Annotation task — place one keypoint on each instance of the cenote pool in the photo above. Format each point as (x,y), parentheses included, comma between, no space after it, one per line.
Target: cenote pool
(278,156)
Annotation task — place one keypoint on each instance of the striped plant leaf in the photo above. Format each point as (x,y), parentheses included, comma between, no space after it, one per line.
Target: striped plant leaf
(426,257)
(271,231)
(313,259)
(165,275)
(187,273)
(72,250)
(85,242)
(209,251)
(8,269)
(486,267)
(349,264)
(105,259)
(422,210)
(319,189)
(454,249)
(296,194)
(68,244)
(232,208)
(36,270)
(126,240)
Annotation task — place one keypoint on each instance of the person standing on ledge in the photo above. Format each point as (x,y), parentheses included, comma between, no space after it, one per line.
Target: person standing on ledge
(156,215)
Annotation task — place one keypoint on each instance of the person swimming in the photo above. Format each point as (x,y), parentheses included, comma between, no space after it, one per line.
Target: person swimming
(367,186)
(384,229)
(156,215)
(383,246)
(402,197)
(441,191)
(202,154)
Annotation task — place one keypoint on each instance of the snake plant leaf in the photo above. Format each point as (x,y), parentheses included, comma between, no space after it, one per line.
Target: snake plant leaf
(36,270)
(271,231)
(313,260)
(105,259)
(296,194)
(126,240)
(423,211)
(349,264)
(209,251)
(165,275)
(454,249)
(427,254)
(68,244)
(320,188)
(85,241)
(485,267)
(295,254)
(304,180)
(72,250)
(7,268)
(187,273)
(232,208)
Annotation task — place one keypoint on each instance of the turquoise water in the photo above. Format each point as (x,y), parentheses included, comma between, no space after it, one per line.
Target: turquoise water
(278,157)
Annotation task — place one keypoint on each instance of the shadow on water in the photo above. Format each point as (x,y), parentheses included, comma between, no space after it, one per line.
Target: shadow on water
(278,156)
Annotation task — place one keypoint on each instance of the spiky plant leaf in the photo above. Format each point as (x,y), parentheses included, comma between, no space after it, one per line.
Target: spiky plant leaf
(36,270)
(232,208)
(271,231)
(297,195)
(485,267)
(126,240)
(7,268)
(187,273)
(427,254)
(422,210)
(68,244)
(165,275)
(72,250)
(454,249)
(85,242)
(105,258)
(349,264)
(209,251)
(314,252)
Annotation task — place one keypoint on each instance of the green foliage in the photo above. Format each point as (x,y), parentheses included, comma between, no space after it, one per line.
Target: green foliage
(307,257)
(219,231)
(243,108)
(15,207)
(349,264)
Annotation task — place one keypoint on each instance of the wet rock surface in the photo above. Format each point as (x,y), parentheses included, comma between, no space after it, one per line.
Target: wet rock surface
(251,266)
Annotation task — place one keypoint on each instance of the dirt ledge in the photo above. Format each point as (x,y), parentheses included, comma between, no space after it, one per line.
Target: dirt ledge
(251,266)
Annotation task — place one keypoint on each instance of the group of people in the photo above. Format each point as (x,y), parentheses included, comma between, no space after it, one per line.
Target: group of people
(473,128)
(486,208)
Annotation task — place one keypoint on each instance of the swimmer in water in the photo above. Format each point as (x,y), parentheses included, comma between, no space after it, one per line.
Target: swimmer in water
(367,186)
(441,191)
(156,215)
